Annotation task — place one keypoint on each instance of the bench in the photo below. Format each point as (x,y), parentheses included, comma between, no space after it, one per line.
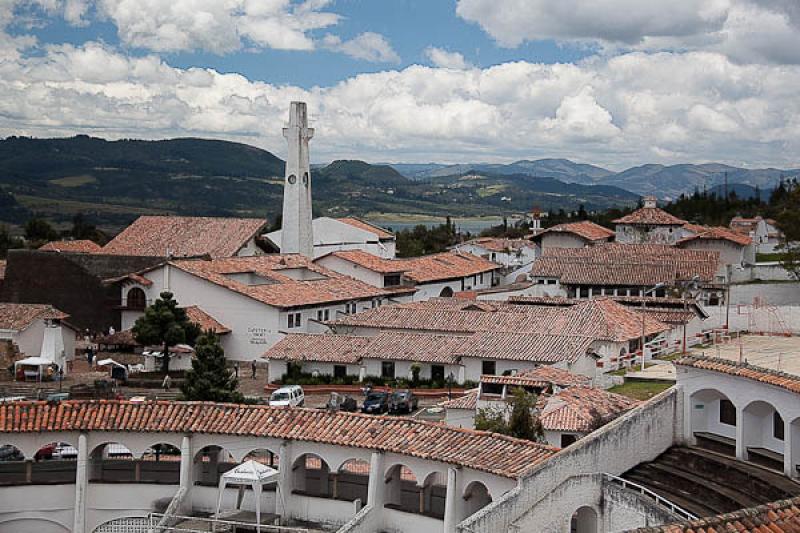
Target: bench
(721,439)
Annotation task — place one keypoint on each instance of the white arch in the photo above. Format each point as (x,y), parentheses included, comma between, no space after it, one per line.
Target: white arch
(392,466)
(585,519)
(15,525)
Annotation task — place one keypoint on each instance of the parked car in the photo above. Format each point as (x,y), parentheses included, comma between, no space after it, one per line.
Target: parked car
(342,402)
(65,451)
(290,396)
(10,453)
(376,403)
(403,401)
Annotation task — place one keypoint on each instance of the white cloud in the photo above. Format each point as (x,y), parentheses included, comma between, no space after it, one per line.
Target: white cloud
(750,31)
(444,59)
(368,46)
(619,111)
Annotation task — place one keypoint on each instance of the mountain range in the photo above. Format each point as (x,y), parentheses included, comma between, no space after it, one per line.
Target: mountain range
(665,181)
(111,182)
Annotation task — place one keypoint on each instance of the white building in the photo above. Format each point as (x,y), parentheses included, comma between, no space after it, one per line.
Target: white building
(259,299)
(337,234)
(763,231)
(649,225)
(590,338)
(36,330)
(735,249)
(442,274)
(573,235)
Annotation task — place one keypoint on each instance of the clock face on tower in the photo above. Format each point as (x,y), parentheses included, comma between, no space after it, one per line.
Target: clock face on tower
(305,179)
(292,179)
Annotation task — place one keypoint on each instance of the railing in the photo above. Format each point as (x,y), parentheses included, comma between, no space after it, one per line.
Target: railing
(644,491)
(204,525)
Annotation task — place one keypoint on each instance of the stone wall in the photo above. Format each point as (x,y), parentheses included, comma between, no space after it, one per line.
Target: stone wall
(638,436)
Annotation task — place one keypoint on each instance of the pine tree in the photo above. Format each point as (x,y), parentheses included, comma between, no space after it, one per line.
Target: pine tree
(209,378)
(165,324)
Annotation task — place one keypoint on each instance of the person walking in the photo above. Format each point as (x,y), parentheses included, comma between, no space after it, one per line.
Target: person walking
(253,367)
(236,369)
(167,383)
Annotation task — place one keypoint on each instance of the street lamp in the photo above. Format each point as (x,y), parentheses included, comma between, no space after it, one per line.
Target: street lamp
(692,283)
(654,288)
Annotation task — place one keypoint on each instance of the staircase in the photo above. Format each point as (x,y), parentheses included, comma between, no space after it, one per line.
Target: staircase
(707,483)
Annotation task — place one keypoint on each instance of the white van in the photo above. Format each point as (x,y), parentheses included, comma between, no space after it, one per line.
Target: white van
(291,396)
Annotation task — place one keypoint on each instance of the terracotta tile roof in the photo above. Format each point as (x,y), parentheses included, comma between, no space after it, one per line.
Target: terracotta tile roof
(782,516)
(497,244)
(597,319)
(636,262)
(369,261)
(542,376)
(184,236)
(667,310)
(351,349)
(366,226)
(444,266)
(2,268)
(718,233)
(585,229)
(205,321)
(346,349)
(650,216)
(80,246)
(487,452)
(468,401)
(18,317)
(417,347)
(530,347)
(583,409)
(287,280)
(789,382)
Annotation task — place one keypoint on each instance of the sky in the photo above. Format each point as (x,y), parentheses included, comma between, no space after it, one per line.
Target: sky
(616,83)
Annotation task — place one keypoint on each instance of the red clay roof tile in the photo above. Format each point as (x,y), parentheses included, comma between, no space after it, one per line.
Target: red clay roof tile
(79,246)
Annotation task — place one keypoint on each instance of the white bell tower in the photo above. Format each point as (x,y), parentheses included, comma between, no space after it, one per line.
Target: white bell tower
(296,232)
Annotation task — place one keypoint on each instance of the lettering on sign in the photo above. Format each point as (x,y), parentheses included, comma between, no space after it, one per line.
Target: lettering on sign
(258,335)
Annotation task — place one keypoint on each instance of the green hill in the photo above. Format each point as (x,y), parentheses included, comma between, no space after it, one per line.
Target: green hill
(112,182)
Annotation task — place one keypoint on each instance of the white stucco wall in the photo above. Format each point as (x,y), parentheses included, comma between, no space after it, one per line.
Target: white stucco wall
(561,240)
(337,264)
(636,234)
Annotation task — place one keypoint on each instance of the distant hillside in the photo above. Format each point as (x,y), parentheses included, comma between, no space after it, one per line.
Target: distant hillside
(663,181)
(112,182)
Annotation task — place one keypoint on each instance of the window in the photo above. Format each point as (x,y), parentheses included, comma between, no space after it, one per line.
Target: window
(136,299)
(387,369)
(392,280)
(566,439)
(727,413)
(339,371)
(777,425)
(323,315)
(584,292)
(350,308)
(481,277)
(437,373)
(295,320)
(489,368)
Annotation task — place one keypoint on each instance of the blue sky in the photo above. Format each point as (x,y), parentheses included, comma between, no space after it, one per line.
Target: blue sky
(611,82)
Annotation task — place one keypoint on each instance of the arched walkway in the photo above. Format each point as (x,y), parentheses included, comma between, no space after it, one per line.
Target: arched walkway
(763,434)
(263,456)
(160,463)
(584,520)
(447,292)
(13,466)
(54,463)
(405,493)
(351,482)
(476,497)
(112,462)
(311,476)
(713,421)
(210,462)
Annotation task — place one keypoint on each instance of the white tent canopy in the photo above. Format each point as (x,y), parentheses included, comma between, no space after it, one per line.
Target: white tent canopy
(250,473)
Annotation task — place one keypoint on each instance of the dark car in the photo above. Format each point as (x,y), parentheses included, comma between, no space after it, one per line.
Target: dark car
(376,403)
(403,401)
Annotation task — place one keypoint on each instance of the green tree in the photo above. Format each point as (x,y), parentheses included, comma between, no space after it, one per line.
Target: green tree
(38,230)
(521,423)
(210,379)
(165,324)
(788,220)
(82,229)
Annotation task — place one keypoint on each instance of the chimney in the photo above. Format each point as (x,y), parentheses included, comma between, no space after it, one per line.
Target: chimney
(650,202)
